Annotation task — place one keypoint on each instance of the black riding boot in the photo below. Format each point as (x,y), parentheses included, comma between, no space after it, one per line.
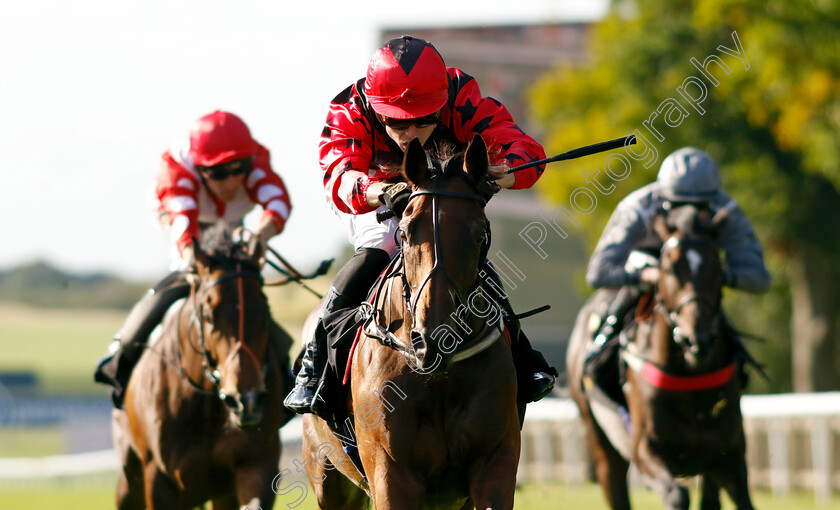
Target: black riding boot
(115,368)
(349,289)
(610,327)
(314,359)
(535,377)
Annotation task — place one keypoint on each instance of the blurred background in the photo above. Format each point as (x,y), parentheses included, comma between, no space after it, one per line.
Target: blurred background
(93,92)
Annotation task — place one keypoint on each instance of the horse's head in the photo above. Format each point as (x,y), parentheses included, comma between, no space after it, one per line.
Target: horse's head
(232,319)
(444,234)
(690,281)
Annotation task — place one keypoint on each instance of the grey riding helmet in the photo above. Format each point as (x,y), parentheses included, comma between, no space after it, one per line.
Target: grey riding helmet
(688,175)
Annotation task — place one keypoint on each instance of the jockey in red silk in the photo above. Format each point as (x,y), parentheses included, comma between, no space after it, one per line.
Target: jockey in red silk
(407,93)
(216,174)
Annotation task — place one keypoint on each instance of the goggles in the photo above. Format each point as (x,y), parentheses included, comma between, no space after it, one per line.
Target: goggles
(420,122)
(226,170)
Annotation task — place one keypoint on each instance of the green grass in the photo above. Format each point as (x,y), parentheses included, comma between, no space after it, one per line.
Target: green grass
(532,497)
(62,346)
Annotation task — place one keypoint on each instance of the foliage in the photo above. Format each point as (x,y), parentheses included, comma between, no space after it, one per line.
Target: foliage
(771,123)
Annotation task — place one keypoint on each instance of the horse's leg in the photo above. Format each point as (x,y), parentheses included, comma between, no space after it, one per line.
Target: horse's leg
(161,492)
(659,478)
(130,483)
(254,484)
(610,467)
(392,487)
(733,479)
(492,479)
(710,494)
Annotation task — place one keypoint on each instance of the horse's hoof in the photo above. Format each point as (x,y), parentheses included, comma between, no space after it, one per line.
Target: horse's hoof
(677,498)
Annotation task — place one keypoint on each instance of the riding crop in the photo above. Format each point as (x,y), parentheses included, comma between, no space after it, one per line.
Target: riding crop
(580,152)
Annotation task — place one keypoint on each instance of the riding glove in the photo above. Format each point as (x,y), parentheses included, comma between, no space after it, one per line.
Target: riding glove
(395,197)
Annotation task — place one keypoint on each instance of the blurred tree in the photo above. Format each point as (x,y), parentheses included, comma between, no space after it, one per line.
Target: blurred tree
(771,121)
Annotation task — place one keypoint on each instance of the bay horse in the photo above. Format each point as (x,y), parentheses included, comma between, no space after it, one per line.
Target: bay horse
(203,407)
(681,379)
(432,382)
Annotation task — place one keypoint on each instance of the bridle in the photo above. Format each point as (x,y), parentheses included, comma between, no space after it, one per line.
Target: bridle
(398,269)
(208,363)
(670,314)
(411,302)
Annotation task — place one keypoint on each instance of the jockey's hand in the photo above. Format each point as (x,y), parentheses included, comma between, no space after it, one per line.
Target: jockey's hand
(488,187)
(188,254)
(499,174)
(649,275)
(395,197)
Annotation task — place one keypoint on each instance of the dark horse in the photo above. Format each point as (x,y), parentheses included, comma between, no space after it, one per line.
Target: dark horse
(681,383)
(434,408)
(204,405)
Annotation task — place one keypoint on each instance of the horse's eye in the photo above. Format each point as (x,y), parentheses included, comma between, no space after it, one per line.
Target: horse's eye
(480,239)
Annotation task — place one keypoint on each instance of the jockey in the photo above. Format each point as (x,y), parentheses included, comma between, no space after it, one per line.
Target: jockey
(687,176)
(216,174)
(407,93)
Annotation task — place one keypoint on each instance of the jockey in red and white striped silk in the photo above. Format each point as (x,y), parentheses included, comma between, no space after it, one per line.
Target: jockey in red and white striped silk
(190,198)
(407,93)
(215,175)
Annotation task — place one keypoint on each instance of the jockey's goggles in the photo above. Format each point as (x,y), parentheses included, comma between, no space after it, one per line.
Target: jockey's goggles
(225,170)
(420,122)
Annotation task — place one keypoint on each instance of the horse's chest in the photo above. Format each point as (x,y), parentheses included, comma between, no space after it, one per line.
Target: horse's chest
(688,427)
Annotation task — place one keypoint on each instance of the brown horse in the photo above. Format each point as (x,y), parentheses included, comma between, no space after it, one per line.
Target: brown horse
(204,405)
(434,408)
(681,384)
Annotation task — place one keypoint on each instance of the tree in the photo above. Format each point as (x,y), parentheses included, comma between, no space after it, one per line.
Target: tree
(753,83)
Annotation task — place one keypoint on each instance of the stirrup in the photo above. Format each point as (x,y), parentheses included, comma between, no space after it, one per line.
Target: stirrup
(545,384)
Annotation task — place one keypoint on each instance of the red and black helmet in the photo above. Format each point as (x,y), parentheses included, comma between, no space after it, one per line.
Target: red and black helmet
(406,79)
(220,137)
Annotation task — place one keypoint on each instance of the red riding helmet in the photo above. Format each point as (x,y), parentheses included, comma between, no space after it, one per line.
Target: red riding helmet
(406,79)
(220,137)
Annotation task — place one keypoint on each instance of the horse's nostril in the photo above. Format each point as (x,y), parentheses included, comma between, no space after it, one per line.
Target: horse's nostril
(260,400)
(417,340)
(232,402)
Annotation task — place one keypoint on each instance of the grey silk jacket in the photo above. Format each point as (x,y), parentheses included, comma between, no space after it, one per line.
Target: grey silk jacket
(630,228)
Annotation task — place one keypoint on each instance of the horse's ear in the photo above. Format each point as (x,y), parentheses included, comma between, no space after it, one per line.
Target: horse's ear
(415,165)
(202,260)
(475,159)
(660,226)
(721,218)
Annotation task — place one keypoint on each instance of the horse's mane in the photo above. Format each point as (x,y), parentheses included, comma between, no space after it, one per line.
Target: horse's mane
(447,159)
(217,242)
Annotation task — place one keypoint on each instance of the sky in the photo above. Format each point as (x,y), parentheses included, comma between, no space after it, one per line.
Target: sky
(92,92)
